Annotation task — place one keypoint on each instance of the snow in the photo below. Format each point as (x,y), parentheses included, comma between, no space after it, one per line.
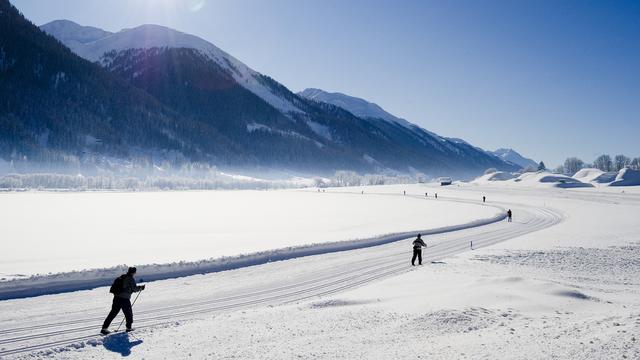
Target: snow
(561,281)
(252,127)
(72,34)
(531,179)
(591,175)
(494,176)
(223,228)
(357,106)
(627,177)
(155,36)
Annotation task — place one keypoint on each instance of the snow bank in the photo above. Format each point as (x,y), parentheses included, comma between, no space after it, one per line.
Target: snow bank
(627,177)
(495,176)
(591,175)
(531,179)
(88,279)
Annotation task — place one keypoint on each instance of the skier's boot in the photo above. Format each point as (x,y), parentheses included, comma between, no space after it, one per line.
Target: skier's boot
(105,332)
(130,329)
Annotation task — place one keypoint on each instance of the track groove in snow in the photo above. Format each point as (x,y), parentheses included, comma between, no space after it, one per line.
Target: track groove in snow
(354,268)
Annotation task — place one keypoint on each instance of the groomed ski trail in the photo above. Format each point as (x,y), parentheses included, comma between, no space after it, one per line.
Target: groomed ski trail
(331,273)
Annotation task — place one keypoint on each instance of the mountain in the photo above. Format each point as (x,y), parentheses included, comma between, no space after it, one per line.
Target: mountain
(104,48)
(158,94)
(72,34)
(58,107)
(513,156)
(457,151)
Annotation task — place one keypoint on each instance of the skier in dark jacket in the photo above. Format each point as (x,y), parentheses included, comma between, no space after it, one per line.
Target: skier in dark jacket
(484,199)
(417,250)
(509,215)
(122,301)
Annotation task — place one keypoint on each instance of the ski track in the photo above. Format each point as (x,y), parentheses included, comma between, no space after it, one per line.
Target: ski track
(355,268)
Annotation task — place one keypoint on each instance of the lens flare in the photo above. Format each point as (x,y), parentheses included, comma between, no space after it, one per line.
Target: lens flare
(195,5)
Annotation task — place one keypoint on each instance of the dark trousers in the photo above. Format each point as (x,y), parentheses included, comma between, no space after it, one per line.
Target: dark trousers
(119,304)
(416,253)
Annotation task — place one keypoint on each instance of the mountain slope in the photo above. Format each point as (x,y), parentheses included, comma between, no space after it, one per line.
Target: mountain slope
(448,153)
(357,106)
(55,104)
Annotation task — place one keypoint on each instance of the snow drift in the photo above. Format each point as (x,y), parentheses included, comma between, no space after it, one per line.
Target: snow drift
(531,179)
(495,176)
(627,177)
(591,175)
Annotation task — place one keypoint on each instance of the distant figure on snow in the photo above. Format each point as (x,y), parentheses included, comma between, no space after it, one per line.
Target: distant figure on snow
(436,195)
(417,250)
(509,215)
(484,199)
(426,195)
(404,192)
(122,289)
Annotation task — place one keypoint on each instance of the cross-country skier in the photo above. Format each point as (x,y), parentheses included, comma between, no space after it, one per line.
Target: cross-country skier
(122,289)
(417,250)
(484,199)
(509,215)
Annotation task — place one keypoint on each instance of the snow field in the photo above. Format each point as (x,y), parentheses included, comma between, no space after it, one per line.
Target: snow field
(82,238)
(568,289)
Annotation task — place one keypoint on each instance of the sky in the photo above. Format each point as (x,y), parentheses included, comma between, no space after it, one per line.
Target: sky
(548,78)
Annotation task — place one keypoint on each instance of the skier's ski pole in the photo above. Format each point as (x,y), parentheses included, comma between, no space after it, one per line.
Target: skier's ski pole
(134,302)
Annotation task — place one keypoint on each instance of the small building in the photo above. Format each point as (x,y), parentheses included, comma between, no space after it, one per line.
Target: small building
(445,181)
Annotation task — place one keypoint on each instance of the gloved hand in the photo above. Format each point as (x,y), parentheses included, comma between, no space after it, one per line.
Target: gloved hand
(142,287)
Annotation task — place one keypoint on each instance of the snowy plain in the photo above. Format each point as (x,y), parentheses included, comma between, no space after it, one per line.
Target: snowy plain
(561,281)
(58,232)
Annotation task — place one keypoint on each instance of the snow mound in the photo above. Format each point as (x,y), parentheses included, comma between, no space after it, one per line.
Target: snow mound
(543,178)
(531,179)
(591,175)
(495,176)
(627,177)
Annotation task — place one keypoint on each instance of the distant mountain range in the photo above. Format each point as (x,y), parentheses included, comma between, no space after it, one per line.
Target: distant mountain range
(156,94)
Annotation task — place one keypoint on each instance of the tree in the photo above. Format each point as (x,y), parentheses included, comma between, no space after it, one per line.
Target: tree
(572,165)
(541,166)
(620,162)
(560,169)
(603,162)
(635,164)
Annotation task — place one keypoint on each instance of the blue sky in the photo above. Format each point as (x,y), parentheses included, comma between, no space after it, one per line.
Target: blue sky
(550,79)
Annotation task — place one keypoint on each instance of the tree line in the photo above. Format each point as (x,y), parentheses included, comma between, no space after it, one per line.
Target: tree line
(603,162)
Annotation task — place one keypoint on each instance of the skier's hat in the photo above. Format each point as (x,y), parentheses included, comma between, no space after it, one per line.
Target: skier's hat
(132,270)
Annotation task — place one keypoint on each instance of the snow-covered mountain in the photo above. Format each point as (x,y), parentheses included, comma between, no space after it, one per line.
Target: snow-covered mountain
(101,46)
(373,112)
(74,35)
(513,156)
(257,121)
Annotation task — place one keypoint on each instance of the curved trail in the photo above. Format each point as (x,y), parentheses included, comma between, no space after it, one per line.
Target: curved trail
(332,273)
